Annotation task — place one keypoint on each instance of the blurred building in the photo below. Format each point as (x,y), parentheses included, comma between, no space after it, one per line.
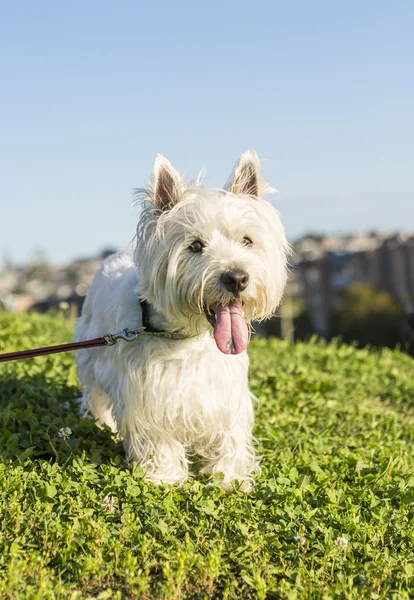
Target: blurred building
(325,266)
(41,286)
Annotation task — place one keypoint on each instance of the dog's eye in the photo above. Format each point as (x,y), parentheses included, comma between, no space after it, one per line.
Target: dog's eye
(196,246)
(247,241)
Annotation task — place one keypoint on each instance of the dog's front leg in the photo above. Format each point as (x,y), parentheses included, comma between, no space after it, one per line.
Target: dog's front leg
(164,461)
(233,455)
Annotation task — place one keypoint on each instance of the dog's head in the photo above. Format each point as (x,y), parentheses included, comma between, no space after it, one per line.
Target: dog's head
(211,258)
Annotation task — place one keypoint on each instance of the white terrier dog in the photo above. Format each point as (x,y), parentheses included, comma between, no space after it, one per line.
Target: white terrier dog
(206,263)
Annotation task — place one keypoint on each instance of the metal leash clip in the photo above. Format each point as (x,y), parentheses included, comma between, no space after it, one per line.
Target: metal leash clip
(128,335)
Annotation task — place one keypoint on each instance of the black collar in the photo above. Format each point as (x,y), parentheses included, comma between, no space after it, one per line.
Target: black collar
(146,318)
(150,330)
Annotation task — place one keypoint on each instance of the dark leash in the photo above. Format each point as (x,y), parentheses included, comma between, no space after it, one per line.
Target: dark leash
(109,339)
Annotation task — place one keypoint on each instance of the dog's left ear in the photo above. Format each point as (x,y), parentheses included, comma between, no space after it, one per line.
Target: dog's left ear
(246,177)
(167,184)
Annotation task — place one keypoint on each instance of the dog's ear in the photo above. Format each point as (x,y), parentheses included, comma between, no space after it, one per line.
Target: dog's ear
(246,177)
(166,184)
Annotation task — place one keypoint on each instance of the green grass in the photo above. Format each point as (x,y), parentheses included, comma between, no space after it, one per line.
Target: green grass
(335,429)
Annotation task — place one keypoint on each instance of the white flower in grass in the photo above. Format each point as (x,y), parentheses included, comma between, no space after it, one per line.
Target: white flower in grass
(108,503)
(342,542)
(299,539)
(65,432)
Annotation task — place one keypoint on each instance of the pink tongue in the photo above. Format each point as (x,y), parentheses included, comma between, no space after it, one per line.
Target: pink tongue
(230,331)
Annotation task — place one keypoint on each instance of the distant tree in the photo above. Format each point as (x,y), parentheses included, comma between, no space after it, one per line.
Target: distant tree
(303,326)
(368,316)
(316,237)
(106,252)
(407,328)
(40,258)
(39,267)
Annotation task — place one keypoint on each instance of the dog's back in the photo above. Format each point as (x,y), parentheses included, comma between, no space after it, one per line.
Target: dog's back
(109,303)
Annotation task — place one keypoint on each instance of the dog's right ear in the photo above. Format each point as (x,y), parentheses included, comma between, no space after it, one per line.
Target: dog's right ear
(246,177)
(167,185)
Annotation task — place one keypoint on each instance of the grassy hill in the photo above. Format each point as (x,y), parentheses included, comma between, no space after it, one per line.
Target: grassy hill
(332,515)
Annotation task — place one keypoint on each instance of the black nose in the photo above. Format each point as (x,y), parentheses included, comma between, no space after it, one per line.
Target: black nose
(235,281)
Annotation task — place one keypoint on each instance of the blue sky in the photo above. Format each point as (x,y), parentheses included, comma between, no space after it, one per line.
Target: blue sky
(92,91)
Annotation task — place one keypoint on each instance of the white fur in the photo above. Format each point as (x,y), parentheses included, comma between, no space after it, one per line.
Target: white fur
(169,398)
